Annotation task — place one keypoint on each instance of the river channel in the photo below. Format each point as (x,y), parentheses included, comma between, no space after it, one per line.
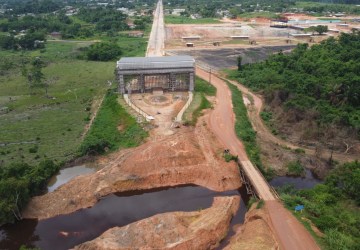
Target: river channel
(66,231)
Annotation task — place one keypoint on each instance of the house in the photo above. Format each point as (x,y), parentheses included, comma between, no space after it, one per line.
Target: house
(135,33)
(56,35)
(177,12)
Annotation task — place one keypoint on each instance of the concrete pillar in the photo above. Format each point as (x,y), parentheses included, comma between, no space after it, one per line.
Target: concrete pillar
(142,83)
(191,81)
(172,81)
(121,88)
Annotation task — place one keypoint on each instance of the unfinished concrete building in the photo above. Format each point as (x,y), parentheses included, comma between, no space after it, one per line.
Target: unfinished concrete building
(145,74)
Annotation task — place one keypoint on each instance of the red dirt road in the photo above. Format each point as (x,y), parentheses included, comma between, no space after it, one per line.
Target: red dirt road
(290,233)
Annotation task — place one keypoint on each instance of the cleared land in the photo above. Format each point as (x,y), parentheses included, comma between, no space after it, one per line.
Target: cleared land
(227,57)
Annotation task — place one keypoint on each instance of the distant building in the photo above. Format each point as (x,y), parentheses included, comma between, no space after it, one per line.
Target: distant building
(177,12)
(135,33)
(56,35)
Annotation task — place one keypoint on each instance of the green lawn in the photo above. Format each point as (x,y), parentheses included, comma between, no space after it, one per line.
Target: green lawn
(53,127)
(188,20)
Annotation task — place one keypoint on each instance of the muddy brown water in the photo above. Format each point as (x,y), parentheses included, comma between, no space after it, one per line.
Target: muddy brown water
(309,181)
(66,174)
(66,231)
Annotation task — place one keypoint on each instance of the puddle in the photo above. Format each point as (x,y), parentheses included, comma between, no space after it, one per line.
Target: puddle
(66,231)
(309,181)
(66,174)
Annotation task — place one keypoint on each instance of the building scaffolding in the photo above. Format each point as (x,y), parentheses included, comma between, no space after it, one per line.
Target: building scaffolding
(144,74)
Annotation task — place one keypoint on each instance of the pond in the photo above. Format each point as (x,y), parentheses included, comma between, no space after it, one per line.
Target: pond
(309,181)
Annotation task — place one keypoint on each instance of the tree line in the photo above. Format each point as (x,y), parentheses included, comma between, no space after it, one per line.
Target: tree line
(20,181)
(321,81)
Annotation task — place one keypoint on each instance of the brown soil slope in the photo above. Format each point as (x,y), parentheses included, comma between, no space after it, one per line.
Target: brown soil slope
(183,158)
(255,233)
(178,230)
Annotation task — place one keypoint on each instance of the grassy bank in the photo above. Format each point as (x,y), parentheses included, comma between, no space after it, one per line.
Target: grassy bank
(245,132)
(188,20)
(113,128)
(199,103)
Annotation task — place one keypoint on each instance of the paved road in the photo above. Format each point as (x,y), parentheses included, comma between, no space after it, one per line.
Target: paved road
(290,233)
(157,34)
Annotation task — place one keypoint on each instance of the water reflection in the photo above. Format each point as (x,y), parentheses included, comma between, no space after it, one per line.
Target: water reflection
(309,181)
(66,174)
(66,231)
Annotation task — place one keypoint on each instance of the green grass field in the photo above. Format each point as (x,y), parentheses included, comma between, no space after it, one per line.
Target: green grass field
(188,20)
(38,127)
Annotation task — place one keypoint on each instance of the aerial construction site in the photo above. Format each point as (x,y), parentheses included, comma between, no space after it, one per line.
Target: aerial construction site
(178,190)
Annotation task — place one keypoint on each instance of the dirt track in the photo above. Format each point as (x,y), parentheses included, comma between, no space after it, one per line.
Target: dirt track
(290,233)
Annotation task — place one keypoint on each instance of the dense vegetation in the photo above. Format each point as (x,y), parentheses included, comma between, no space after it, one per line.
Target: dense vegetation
(103,51)
(323,7)
(113,128)
(321,82)
(105,19)
(246,133)
(333,206)
(18,182)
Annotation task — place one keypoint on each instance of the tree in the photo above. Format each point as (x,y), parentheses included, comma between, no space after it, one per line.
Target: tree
(320,29)
(34,74)
(103,51)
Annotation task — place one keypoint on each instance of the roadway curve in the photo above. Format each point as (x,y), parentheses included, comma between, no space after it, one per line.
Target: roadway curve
(290,233)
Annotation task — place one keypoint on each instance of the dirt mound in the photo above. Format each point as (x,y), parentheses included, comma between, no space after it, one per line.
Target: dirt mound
(255,233)
(183,158)
(179,230)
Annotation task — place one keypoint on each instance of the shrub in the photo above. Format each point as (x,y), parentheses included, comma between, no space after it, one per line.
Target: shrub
(103,51)
(299,151)
(229,157)
(260,204)
(34,149)
(295,168)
